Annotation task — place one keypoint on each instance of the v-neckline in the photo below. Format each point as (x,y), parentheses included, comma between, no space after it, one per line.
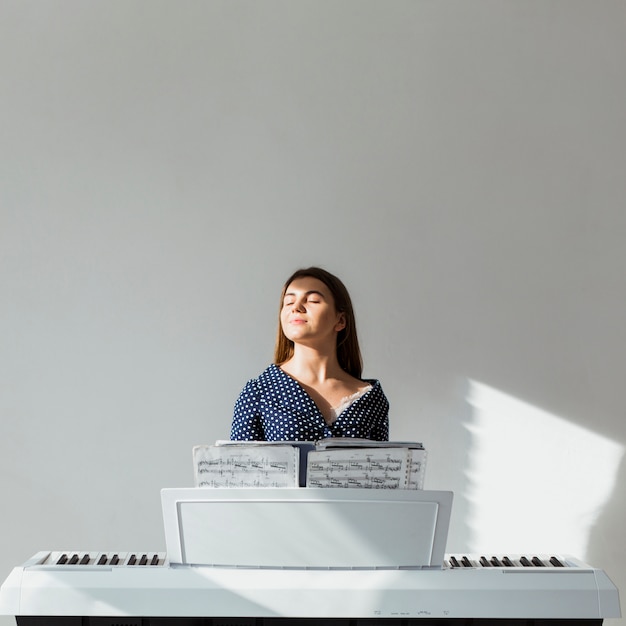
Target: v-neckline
(312,401)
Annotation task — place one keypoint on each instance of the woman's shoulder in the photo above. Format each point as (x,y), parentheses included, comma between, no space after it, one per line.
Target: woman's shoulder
(372,382)
(376,389)
(267,378)
(255,387)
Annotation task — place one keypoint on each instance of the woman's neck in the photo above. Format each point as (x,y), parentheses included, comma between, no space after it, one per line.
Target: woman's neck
(313,366)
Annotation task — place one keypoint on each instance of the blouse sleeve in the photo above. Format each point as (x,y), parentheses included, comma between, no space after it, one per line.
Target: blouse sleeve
(247,424)
(380,432)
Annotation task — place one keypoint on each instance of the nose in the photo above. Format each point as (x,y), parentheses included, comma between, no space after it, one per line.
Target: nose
(298,305)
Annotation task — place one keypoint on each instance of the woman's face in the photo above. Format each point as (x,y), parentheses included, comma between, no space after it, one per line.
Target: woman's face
(308,313)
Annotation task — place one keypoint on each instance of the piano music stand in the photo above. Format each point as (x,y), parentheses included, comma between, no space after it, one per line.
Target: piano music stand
(306,528)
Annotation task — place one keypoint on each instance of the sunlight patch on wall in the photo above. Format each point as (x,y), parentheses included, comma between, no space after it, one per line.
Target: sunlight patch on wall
(537,483)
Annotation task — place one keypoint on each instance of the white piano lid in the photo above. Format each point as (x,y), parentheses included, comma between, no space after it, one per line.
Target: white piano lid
(306,527)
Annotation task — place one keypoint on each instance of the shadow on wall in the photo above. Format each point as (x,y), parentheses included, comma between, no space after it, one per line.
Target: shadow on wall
(536,482)
(603,546)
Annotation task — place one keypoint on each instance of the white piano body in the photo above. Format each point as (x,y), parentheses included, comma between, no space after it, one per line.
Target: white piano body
(161,589)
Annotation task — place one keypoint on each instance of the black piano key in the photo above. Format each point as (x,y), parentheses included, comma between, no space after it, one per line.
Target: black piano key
(102,560)
(507,562)
(85,560)
(484,562)
(133,559)
(495,561)
(115,559)
(556,562)
(143,560)
(525,562)
(537,562)
(155,560)
(62,560)
(454,562)
(466,562)
(73,560)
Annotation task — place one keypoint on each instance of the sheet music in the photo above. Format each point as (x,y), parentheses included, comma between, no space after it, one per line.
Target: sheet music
(417,469)
(299,464)
(374,468)
(246,466)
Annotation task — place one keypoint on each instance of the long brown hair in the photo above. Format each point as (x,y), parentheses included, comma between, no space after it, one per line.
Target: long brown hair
(348,352)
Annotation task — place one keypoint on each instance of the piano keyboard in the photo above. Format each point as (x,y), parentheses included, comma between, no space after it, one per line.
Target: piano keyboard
(53,588)
(505,561)
(152,559)
(109,559)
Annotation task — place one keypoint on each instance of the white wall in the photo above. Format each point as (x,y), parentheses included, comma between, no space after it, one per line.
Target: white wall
(164,166)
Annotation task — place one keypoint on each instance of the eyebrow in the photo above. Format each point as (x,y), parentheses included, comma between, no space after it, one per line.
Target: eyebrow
(308,293)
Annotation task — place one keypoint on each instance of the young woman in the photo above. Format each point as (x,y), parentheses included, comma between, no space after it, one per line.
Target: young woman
(314,388)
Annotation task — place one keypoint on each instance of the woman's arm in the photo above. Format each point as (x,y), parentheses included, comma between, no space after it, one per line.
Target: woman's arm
(381,430)
(247,424)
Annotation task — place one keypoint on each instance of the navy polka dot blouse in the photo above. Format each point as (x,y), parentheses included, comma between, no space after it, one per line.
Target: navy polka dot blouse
(275,407)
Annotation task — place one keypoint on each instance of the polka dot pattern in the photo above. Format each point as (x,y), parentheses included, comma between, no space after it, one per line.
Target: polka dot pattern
(275,407)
